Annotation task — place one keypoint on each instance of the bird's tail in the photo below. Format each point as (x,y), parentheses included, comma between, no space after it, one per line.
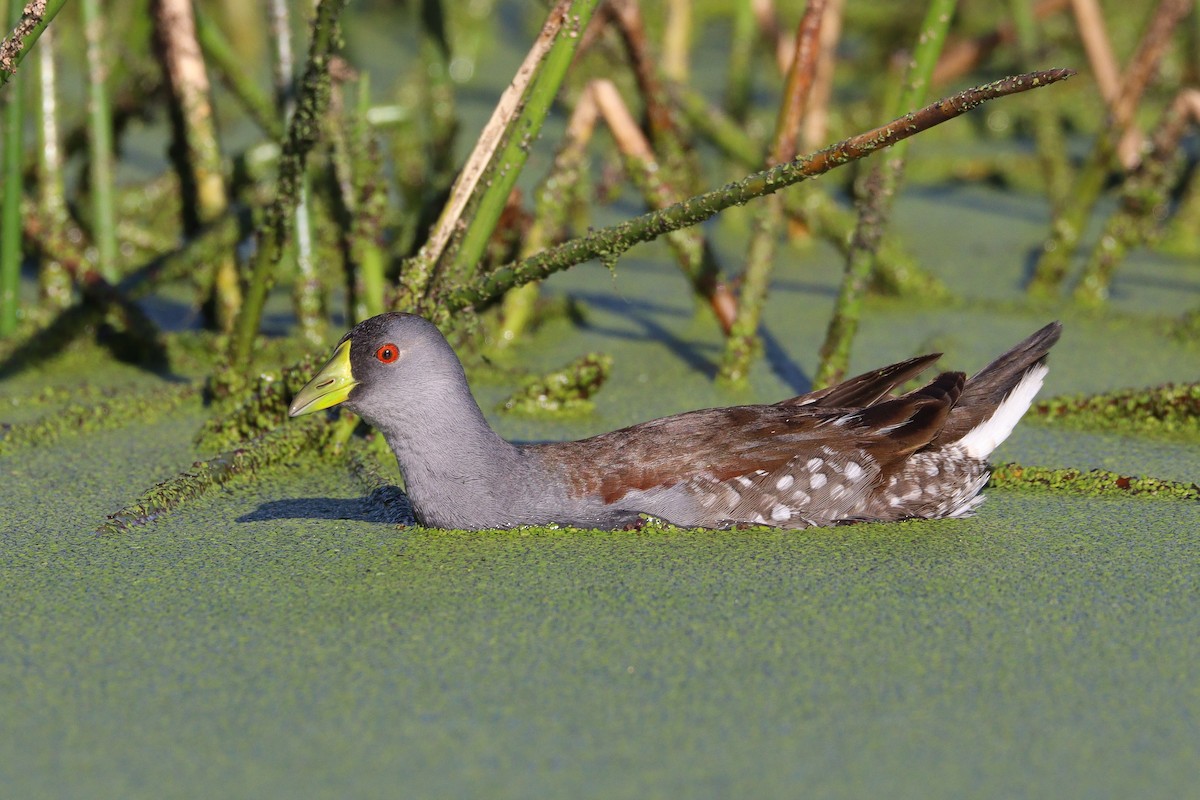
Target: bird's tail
(995,399)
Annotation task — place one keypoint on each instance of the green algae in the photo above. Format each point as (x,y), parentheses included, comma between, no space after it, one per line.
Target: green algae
(300,649)
(101,409)
(267,450)
(1170,409)
(564,391)
(1090,483)
(263,409)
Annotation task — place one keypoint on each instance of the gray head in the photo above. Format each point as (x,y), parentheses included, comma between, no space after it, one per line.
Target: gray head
(391,370)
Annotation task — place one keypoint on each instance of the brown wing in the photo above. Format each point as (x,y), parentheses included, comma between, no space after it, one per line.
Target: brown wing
(720,443)
(866,389)
(723,444)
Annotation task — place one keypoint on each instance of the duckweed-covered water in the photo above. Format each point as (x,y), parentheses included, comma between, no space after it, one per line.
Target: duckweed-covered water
(270,641)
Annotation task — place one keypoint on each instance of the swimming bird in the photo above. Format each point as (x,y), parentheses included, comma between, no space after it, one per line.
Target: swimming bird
(850,452)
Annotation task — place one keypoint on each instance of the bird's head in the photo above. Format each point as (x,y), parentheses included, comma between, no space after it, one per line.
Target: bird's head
(379,365)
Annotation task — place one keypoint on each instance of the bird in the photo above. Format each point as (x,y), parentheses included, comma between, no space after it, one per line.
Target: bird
(852,452)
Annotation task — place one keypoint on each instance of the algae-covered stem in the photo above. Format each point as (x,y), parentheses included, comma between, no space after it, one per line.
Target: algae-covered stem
(1145,200)
(1067,228)
(418,272)
(822,215)
(518,137)
(10,204)
(364,202)
(760,254)
(303,131)
(306,289)
(614,240)
(875,206)
(31,23)
(284,442)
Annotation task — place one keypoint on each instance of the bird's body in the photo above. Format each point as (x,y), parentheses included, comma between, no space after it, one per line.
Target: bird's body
(848,453)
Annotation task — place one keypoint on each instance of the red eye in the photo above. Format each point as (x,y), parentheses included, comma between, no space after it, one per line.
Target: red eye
(388,353)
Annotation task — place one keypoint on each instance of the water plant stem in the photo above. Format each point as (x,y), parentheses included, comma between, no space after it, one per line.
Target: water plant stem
(54,284)
(961,57)
(371,261)
(302,134)
(876,205)
(417,275)
(1145,201)
(742,343)
(1067,228)
(10,203)
(608,243)
(740,76)
(197,154)
(675,156)
(1044,117)
(27,27)
(519,136)
(233,73)
(307,292)
(677,39)
(553,201)
(691,248)
(100,143)
(818,212)
(287,441)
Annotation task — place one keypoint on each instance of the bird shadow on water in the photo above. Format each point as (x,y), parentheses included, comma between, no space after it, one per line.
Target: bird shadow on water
(387,505)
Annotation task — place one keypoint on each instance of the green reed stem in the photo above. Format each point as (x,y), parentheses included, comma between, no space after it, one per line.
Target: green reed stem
(743,342)
(54,282)
(519,137)
(100,143)
(10,204)
(303,132)
(740,81)
(27,27)
(367,252)
(239,80)
(876,208)
(1047,133)
(308,301)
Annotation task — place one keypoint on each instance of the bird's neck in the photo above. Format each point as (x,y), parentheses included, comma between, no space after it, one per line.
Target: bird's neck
(445,447)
